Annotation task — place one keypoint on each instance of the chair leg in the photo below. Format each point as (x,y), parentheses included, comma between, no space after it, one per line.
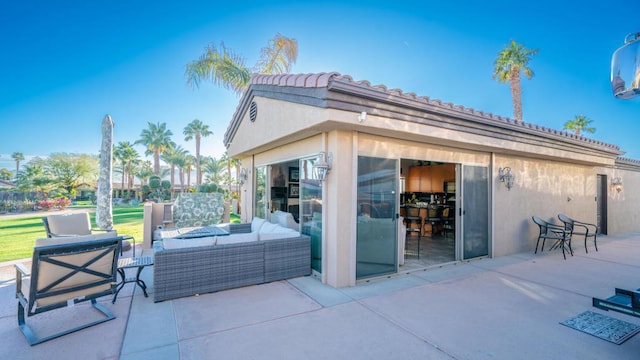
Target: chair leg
(33,340)
(585,244)
(570,248)
(537,242)
(595,243)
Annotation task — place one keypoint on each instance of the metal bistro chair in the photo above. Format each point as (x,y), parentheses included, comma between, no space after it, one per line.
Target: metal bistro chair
(580,228)
(557,233)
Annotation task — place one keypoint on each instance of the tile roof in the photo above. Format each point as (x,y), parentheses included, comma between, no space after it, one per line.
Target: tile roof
(319,80)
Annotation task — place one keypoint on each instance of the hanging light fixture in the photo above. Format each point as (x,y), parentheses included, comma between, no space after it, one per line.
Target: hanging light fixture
(322,167)
(244,176)
(505,176)
(616,183)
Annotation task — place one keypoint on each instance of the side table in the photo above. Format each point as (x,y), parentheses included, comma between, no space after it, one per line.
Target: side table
(127,263)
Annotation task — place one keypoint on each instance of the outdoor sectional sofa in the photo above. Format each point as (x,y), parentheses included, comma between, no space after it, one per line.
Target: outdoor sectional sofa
(245,257)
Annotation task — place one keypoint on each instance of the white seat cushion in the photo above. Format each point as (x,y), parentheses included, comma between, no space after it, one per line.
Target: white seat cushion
(237,238)
(256,224)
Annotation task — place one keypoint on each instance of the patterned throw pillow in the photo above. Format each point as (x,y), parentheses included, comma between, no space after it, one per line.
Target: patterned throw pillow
(198,209)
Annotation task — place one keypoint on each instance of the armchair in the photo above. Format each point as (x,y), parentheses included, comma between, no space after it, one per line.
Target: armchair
(78,224)
(64,272)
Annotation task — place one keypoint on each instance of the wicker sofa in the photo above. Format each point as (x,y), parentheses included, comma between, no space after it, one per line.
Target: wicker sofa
(194,270)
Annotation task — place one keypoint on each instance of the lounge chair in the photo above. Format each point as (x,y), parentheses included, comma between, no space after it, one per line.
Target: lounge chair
(66,271)
(580,228)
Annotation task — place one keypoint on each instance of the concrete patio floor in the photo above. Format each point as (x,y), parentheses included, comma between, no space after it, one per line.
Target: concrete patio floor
(503,308)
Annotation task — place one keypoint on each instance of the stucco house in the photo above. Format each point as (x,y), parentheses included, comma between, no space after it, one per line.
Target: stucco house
(389,153)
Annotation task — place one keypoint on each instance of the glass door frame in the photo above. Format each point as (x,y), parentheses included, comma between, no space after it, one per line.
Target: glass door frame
(462,204)
(370,225)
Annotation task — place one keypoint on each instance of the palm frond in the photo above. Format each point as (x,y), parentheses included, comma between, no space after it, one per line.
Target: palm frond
(278,56)
(221,66)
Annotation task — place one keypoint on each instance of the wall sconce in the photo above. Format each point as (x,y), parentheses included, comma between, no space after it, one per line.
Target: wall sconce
(616,182)
(505,176)
(323,166)
(244,176)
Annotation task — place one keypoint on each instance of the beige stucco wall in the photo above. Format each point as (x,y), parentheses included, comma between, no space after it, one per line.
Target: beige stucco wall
(623,209)
(543,187)
(276,122)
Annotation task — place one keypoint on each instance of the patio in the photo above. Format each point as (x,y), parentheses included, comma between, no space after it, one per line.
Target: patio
(503,308)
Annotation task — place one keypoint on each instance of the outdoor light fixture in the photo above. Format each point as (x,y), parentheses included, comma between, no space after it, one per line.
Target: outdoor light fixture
(616,182)
(323,166)
(243,176)
(505,176)
(625,77)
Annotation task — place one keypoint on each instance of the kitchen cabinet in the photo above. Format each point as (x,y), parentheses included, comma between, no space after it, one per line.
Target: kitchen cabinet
(437,178)
(430,179)
(413,180)
(419,179)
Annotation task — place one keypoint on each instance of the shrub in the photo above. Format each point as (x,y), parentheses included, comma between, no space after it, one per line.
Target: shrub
(62,203)
(45,204)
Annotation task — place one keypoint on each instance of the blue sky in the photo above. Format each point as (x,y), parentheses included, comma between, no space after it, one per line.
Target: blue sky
(65,64)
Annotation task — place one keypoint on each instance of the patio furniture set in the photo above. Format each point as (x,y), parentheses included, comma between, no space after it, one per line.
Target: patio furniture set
(75,264)
(623,301)
(561,234)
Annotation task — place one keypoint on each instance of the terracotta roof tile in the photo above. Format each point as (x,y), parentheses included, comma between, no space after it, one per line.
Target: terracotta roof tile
(323,79)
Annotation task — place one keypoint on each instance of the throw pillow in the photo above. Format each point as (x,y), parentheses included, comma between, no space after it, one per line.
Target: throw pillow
(256,224)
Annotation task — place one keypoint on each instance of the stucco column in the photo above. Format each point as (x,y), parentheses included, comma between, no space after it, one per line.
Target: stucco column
(339,235)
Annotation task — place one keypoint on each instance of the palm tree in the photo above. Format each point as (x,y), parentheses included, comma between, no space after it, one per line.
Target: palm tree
(157,139)
(35,177)
(127,155)
(212,167)
(17,157)
(172,157)
(190,160)
(181,164)
(6,174)
(196,130)
(143,171)
(512,60)
(578,124)
(227,69)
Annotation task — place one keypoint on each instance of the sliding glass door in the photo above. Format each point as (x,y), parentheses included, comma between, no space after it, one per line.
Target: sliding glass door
(311,210)
(475,211)
(376,248)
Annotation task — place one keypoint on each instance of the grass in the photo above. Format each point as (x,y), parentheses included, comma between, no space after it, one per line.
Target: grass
(18,235)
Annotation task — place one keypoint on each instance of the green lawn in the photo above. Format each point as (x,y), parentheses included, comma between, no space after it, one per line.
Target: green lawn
(18,235)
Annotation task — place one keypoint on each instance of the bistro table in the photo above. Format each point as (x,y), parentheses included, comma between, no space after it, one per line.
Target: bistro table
(128,263)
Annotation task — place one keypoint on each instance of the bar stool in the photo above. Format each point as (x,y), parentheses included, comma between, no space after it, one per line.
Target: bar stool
(414,225)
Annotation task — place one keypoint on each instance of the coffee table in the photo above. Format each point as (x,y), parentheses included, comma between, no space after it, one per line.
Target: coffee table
(192,232)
